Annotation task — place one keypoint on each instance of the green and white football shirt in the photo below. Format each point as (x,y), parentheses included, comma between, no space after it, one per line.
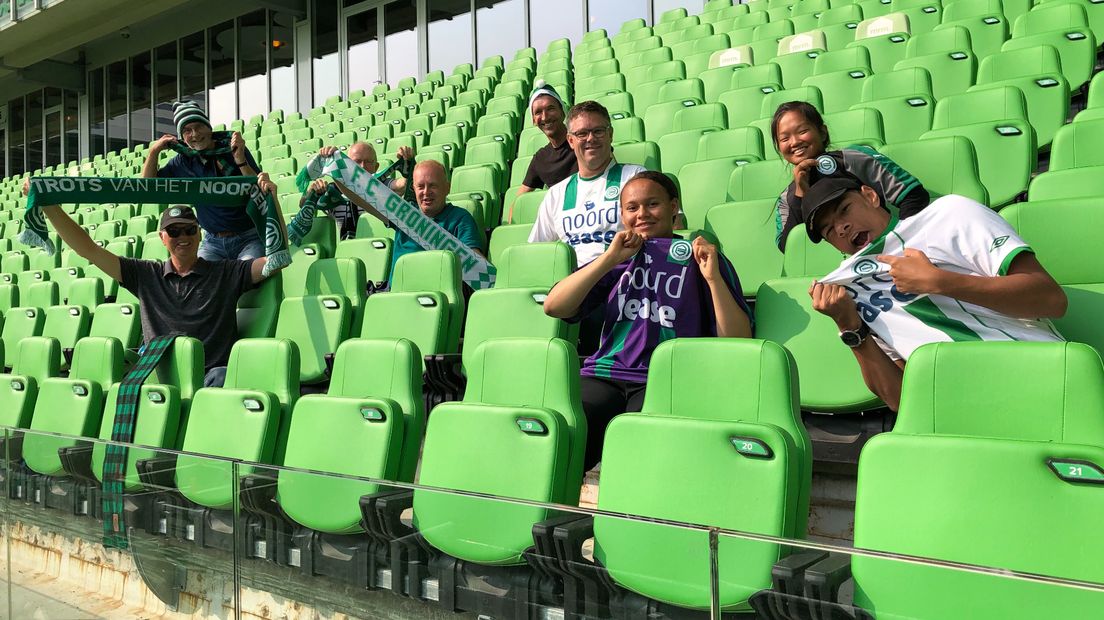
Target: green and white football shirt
(956,234)
(584,213)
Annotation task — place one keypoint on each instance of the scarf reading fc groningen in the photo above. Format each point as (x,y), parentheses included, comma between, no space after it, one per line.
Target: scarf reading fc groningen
(477,272)
(217,192)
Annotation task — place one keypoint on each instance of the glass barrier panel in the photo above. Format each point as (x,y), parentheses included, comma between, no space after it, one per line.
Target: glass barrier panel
(78,549)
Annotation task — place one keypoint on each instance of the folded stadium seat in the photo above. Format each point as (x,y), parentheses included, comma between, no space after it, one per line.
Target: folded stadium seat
(142,225)
(19,323)
(839,24)
(521,89)
(14,262)
(770,103)
(1049,457)
(70,406)
(995,120)
(369,227)
(1065,25)
(248,419)
(531,439)
(64,277)
(294,276)
(831,381)
(130,247)
(662,90)
(514,104)
(1092,10)
(482,183)
(669,70)
(294,136)
(741,29)
(904,101)
(625,129)
(886,37)
(710,431)
(394,144)
(923,15)
(797,54)
(526,207)
(454,132)
(373,253)
(422,122)
(477,99)
(840,76)
(453,151)
(1037,73)
(435,271)
(37,361)
(702,190)
(518,168)
(861,126)
(640,153)
(120,321)
(67,325)
(519,72)
(696,52)
(765,39)
(506,123)
(947,55)
(720,10)
(946,165)
(317,324)
(45,294)
(1065,252)
(745,233)
(152,248)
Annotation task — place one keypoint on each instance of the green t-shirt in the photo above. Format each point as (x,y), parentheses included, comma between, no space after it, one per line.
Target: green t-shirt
(455,220)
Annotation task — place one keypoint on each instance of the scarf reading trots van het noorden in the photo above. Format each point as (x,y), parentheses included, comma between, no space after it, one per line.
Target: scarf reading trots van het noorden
(217,192)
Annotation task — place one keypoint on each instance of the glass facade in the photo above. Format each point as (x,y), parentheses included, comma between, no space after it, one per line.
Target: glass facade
(246,66)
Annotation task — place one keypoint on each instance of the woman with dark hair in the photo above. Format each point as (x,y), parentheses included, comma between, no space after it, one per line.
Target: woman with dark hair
(653,287)
(801,138)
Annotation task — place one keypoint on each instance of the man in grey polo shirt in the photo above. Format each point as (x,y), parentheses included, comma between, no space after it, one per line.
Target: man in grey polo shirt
(186,294)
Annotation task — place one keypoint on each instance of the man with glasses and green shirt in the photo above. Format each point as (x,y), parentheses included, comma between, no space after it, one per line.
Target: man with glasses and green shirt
(584,210)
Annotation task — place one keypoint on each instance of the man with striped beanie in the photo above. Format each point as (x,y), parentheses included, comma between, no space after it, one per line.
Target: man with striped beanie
(201,152)
(554,161)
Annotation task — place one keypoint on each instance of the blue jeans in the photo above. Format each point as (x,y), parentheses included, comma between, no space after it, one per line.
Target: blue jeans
(246,246)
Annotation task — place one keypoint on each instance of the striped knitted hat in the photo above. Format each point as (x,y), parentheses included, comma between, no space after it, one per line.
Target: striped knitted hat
(185,112)
(540,88)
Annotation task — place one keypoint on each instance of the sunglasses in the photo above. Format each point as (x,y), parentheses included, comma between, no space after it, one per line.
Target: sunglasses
(176,231)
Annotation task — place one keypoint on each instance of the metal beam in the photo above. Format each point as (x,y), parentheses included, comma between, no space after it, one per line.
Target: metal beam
(298,8)
(54,73)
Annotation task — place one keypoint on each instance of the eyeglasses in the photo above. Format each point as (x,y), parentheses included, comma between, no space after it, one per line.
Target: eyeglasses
(597,132)
(176,231)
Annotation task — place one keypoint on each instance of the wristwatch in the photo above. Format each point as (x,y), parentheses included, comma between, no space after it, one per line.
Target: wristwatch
(855,338)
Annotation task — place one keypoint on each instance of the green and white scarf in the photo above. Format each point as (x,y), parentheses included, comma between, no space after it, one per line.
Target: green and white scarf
(221,152)
(216,192)
(477,272)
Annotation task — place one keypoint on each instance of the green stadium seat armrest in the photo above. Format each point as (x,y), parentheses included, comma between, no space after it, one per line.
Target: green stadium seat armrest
(809,584)
(547,557)
(158,472)
(590,582)
(370,516)
(381,514)
(77,462)
(258,495)
(824,579)
(445,376)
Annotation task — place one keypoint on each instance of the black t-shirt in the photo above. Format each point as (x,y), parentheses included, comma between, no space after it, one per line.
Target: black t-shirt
(550,165)
(202,304)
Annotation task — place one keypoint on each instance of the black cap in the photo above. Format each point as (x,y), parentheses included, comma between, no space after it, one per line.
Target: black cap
(177,214)
(824,192)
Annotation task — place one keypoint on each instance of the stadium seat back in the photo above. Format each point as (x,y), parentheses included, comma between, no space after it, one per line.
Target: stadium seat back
(156,424)
(45,294)
(317,324)
(702,191)
(1076,145)
(534,265)
(420,317)
(19,323)
(373,253)
(859,126)
(830,377)
(510,313)
(741,141)
(65,406)
(745,232)
(946,165)
(66,324)
(759,180)
(803,258)
(258,308)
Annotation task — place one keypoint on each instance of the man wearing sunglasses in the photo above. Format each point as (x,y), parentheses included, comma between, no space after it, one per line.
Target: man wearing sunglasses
(584,210)
(187,294)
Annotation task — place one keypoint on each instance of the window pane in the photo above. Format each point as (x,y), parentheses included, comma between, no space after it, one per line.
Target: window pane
(364,69)
(693,7)
(52,145)
(192,60)
(400,39)
(72,127)
(141,114)
(555,20)
(220,66)
(610,14)
(327,67)
(500,28)
(252,78)
(117,106)
(3,168)
(34,130)
(283,60)
(166,90)
(96,111)
(16,149)
(450,28)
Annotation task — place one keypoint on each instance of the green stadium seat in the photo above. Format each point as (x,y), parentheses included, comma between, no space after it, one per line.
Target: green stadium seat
(985,20)
(947,55)
(803,258)
(479,182)
(659,118)
(932,421)
(64,277)
(759,180)
(87,292)
(797,55)
(923,15)
(640,153)
(1077,145)
(588,88)
(683,418)
(534,265)
(995,120)
(19,323)
(904,101)
(44,294)
(831,381)
(37,361)
(703,116)
(1084,182)
(67,325)
(1037,72)
(317,324)
(506,236)
(628,129)
(680,148)
(745,233)
(946,165)
(373,252)
(117,320)
(740,142)
(839,24)
(884,36)
(1064,25)
(702,190)
(840,75)
(433,271)
(157,422)
(526,207)
(860,126)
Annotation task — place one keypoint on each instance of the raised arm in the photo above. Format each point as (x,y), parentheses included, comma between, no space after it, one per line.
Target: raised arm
(267,186)
(150,167)
(881,374)
(237,149)
(78,240)
(732,321)
(565,299)
(1027,291)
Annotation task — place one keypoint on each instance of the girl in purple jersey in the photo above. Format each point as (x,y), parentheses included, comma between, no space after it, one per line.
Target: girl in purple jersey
(652,287)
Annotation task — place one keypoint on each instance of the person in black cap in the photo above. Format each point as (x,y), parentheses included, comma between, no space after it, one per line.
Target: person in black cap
(187,294)
(230,233)
(955,271)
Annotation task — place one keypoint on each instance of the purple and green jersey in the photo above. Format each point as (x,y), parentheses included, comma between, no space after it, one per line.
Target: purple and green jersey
(655,296)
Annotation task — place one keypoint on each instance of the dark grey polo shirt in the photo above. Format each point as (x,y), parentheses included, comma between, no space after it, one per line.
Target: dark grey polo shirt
(201,304)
